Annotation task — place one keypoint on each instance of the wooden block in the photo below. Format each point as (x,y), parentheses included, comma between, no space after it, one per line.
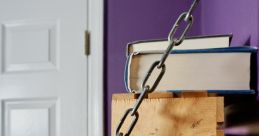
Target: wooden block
(170,116)
(220,109)
(194,94)
(156,95)
(220,133)
(124,96)
(212,94)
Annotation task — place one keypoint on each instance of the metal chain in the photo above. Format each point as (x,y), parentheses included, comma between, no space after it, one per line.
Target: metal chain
(188,18)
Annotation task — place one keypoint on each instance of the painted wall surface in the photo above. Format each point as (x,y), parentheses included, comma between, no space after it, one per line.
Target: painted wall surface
(131,20)
(240,17)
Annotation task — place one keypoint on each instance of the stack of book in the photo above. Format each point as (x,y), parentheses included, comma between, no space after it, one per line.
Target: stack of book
(205,63)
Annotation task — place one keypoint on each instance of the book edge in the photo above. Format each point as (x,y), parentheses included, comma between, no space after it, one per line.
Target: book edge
(230,36)
(243,49)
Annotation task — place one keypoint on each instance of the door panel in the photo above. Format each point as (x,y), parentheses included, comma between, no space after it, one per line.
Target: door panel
(36,117)
(17,39)
(43,67)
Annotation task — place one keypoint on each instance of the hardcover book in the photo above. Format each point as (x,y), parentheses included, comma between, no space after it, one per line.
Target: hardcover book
(217,70)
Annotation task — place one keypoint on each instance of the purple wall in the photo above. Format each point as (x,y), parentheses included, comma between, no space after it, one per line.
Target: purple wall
(130,20)
(240,17)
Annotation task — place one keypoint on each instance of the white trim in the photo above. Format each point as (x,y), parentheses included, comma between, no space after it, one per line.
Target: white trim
(95,117)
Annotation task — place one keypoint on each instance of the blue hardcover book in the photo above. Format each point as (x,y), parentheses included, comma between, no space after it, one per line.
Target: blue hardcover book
(229,70)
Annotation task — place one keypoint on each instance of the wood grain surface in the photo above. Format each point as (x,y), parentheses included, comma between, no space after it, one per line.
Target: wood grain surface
(169,116)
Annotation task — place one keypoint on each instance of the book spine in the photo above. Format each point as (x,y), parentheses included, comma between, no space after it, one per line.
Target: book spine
(126,72)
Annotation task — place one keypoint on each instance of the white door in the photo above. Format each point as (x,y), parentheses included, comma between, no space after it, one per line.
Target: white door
(43,67)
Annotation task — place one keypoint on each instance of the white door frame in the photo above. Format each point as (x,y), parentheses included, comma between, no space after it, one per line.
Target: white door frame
(95,117)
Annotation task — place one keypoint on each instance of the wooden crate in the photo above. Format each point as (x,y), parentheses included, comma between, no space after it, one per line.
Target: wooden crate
(166,114)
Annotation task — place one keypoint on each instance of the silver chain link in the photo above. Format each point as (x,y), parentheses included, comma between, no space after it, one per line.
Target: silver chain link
(184,17)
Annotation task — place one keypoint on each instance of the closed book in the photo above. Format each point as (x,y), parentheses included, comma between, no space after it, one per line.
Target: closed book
(217,70)
(196,42)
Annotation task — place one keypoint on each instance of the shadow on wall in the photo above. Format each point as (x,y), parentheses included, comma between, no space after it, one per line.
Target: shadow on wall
(242,117)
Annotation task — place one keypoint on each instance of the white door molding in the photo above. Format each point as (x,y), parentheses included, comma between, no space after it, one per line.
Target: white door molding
(95,117)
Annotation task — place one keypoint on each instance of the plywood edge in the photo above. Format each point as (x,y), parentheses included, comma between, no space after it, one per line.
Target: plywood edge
(220,109)
(157,95)
(220,133)
(154,95)
(193,94)
(119,96)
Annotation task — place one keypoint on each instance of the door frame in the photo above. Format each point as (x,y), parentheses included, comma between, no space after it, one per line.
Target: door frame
(95,91)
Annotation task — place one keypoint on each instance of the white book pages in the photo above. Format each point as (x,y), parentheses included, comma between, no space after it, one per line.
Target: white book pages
(194,71)
(192,43)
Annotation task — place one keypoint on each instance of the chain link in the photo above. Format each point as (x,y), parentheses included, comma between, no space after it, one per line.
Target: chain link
(171,37)
(188,18)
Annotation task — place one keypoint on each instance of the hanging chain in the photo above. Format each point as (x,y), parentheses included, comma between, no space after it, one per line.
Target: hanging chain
(184,17)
